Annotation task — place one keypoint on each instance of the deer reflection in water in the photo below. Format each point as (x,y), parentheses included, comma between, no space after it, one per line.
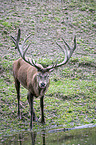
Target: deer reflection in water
(32,139)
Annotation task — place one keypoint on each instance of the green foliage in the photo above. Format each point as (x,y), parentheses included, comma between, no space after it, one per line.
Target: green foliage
(6,24)
(57,19)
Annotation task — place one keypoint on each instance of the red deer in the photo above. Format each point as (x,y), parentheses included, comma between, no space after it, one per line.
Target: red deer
(34,77)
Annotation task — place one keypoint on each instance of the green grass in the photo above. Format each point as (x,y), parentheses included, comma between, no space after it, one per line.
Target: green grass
(68,102)
(6,24)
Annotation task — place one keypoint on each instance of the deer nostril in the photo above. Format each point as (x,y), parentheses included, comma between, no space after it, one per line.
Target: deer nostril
(42,84)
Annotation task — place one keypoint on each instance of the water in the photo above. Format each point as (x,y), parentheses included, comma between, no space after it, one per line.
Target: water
(74,136)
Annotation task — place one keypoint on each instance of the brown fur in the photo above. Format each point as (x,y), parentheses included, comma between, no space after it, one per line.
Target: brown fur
(27,76)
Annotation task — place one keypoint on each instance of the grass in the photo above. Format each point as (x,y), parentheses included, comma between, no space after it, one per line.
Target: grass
(70,100)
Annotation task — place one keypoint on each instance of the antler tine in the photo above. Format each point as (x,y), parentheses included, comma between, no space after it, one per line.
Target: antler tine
(71,49)
(13,39)
(18,36)
(25,41)
(61,47)
(26,50)
(30,61)
(16,42)
(65,53)
(75,42)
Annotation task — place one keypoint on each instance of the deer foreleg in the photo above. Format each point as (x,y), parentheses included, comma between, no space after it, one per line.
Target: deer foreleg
(30,99)
(34,116)
(31,106)
(17,85)
(42,109)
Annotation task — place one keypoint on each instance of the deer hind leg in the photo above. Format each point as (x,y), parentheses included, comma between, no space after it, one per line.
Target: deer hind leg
(17,85)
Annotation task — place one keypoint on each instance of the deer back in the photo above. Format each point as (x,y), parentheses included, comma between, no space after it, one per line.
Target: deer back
(23,70)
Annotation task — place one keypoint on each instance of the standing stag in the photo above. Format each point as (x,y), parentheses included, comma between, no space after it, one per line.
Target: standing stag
(34,77)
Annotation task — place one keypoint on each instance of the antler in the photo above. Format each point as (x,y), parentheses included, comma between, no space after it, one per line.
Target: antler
(68,51)
(20,49)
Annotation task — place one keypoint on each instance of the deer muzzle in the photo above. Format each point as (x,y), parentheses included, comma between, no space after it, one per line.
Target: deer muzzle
(42,85)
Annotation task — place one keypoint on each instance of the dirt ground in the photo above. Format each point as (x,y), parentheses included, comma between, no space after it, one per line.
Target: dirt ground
(48,21)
